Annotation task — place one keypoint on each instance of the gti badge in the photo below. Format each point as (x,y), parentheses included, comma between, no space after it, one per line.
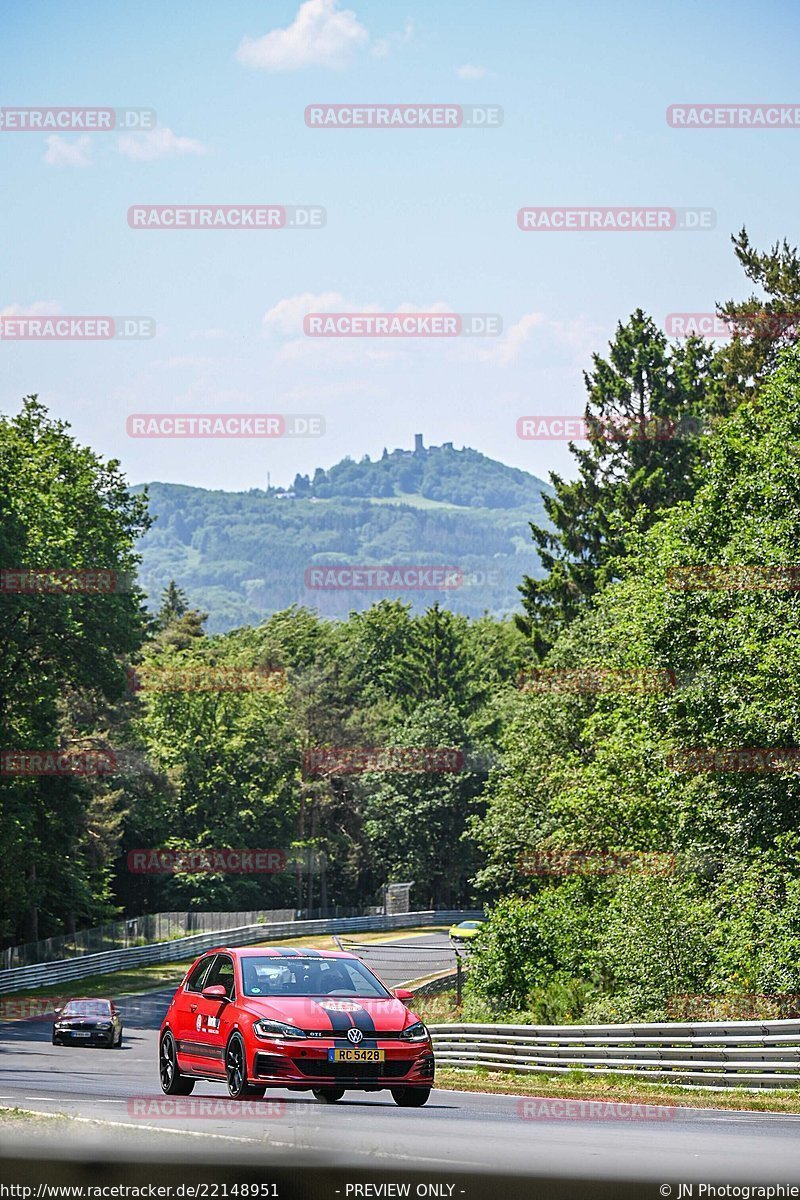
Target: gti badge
(354,1035)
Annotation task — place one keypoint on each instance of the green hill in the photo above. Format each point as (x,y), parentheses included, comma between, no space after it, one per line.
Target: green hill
(242,555)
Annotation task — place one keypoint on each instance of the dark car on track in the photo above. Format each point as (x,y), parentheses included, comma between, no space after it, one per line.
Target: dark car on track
(88,1022)
(308,1020)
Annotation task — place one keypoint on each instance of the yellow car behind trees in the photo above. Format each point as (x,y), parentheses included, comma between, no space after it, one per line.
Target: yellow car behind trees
(465,930)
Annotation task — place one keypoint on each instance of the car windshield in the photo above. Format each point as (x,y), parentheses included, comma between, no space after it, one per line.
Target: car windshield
(87,1008)
(274,975)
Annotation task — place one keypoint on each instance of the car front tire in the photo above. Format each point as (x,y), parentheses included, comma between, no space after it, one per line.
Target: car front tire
(236,1072)
(410,1097)
(172,1082)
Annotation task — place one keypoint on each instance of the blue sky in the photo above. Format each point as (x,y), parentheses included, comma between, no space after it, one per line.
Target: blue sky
(415,218)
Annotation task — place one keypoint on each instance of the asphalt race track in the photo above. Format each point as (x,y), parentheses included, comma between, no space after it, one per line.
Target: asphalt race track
(455,1129)
(411,957)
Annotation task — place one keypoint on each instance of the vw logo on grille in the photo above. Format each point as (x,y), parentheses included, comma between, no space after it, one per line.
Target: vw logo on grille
(354,1035)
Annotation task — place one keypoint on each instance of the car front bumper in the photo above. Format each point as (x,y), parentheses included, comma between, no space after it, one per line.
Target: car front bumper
(74,1037)
(292,1064)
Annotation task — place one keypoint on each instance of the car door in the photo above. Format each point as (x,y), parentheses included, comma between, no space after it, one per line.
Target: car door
(184,1014)
(211,1018)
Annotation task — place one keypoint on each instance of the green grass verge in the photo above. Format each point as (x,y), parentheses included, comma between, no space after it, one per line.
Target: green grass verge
(580,1085)
(10,1116)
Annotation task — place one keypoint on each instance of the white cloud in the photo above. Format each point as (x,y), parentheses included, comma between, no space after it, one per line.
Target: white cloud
(384,45)
(62,153)
(182,361)
(287,315)
(40,308)
(321,35)
(510,345)
(438,306)
(157,143)
(578,337)
(286,318)
(469,72)
(215,334)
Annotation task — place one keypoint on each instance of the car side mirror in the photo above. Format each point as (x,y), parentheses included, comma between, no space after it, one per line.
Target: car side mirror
(215,992)
(403,994)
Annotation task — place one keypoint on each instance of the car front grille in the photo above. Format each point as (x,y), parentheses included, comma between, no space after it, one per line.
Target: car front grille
(426,1067)
(336,1036)
(353,1072)
(271,1064)
(77,1029)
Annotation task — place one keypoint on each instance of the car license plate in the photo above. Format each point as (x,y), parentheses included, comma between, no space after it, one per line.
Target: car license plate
(81,1034)
(356,1056)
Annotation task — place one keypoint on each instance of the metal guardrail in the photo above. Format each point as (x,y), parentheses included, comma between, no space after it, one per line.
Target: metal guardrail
(444,982)
(743,1053)
(137,931)
(180,949)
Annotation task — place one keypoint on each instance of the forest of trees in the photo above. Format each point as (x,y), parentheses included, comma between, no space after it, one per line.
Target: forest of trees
(241,556)
(462,477)
(698,884)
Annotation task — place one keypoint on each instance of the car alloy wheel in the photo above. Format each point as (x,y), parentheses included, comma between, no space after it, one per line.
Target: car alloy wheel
(236,1071)
(172,1082)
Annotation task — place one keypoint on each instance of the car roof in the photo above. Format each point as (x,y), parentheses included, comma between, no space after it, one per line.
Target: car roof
(279,952)
(83,999)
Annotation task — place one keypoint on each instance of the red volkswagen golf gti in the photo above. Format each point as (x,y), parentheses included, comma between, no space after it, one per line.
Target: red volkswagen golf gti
(313,1020)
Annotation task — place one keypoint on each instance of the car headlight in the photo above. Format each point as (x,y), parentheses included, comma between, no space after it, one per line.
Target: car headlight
(103,1024)
(414,1033)
(277,1029)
